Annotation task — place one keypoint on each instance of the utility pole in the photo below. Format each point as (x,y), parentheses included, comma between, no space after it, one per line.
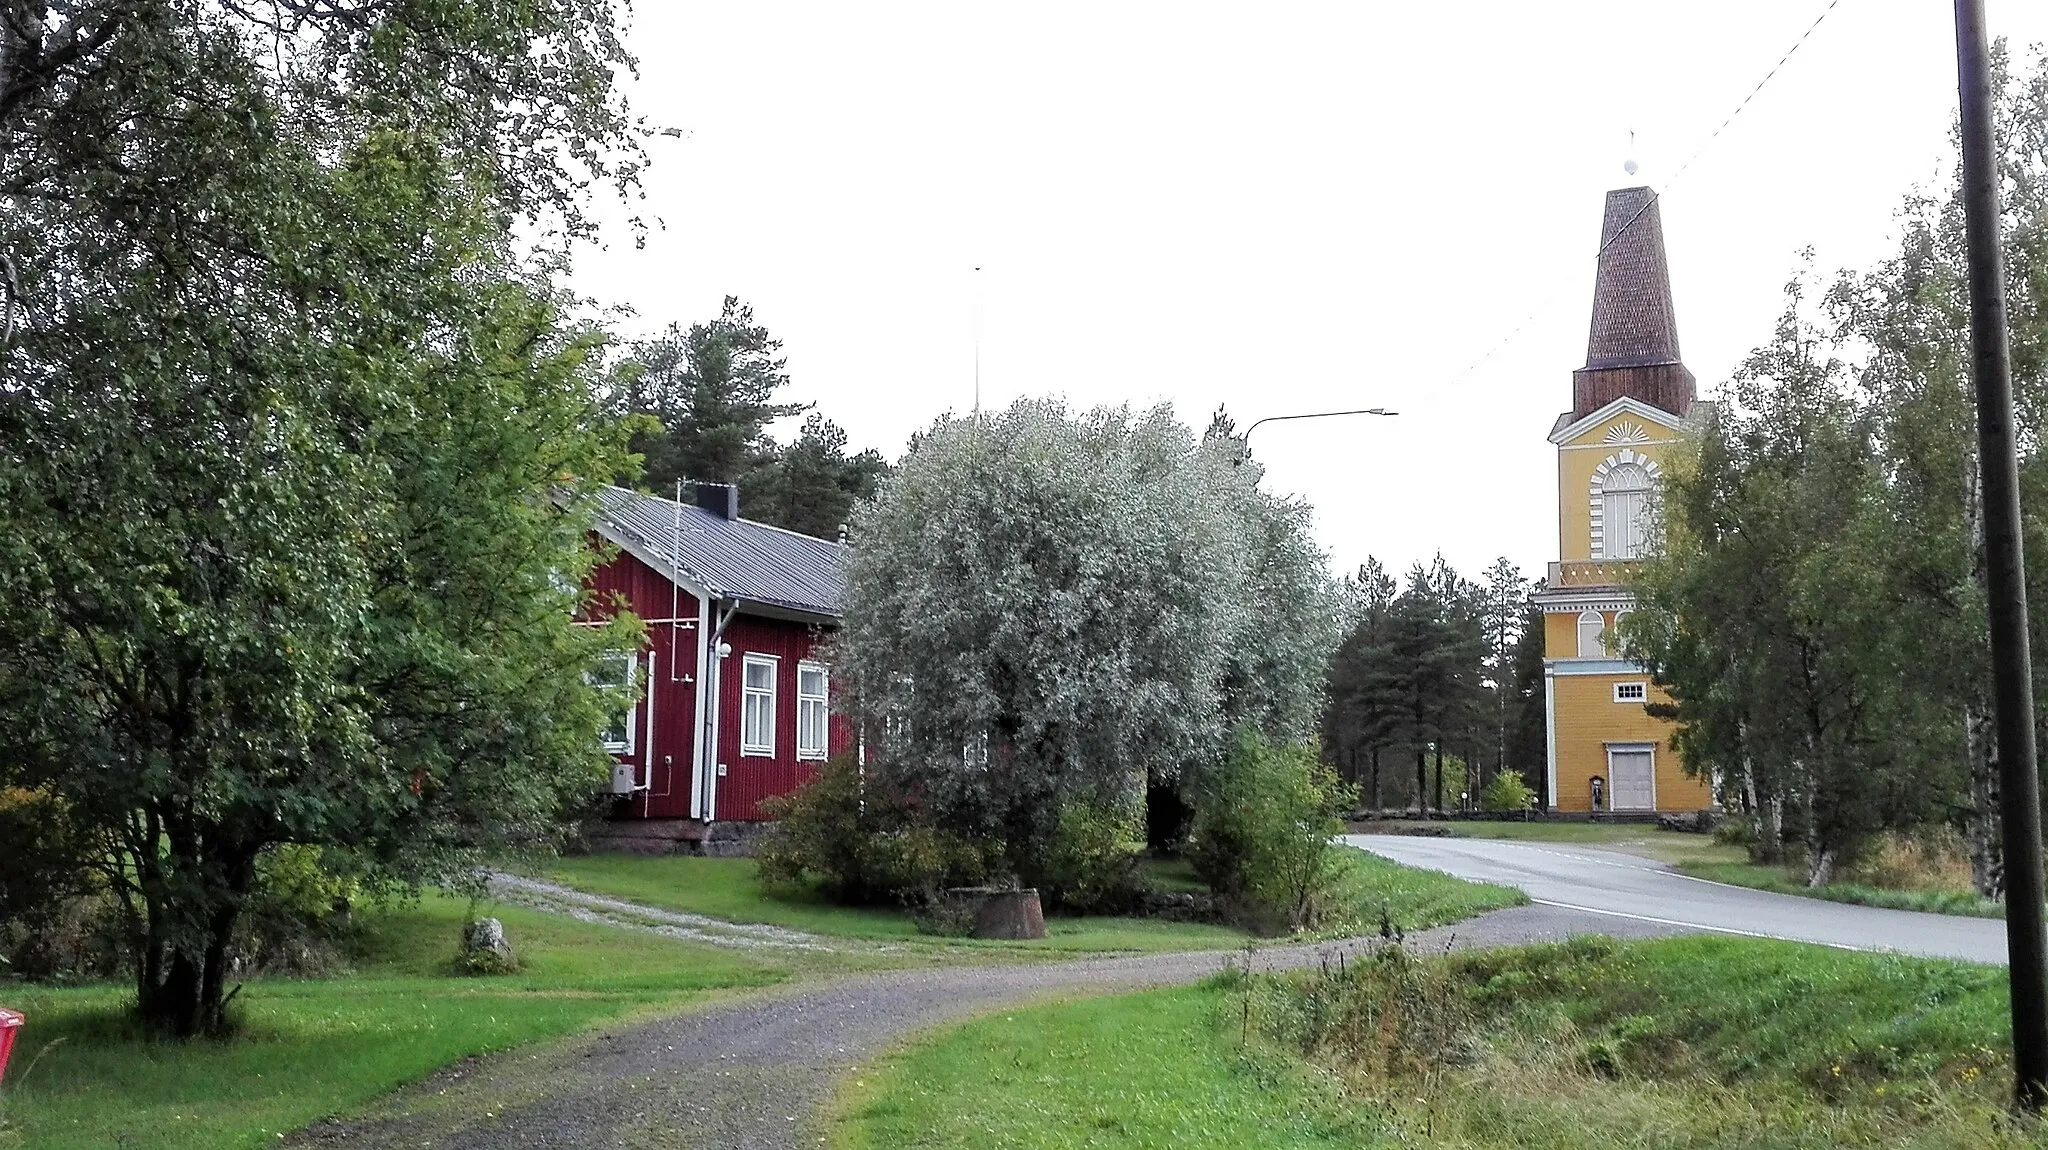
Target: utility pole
(2012,677)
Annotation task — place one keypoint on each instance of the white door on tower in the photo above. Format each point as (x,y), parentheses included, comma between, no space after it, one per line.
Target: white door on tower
(1630,781)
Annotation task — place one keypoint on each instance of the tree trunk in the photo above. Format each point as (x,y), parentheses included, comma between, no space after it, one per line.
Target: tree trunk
(1820,866)
(1439,776)
(1375,778)
(181,980)
(1773,838)
(1820,856)
(1981,829)
(1421,780)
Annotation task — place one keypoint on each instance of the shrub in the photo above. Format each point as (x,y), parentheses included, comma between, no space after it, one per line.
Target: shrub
(1264,829)
(297,917)
(817,832)
(50,919)
(1092,862)
(1507,792)
(860,844)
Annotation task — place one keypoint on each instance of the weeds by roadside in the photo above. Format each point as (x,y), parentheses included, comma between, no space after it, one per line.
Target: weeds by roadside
(1679,1042)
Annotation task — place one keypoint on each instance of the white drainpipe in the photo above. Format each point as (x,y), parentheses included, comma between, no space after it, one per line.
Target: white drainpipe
(715,652)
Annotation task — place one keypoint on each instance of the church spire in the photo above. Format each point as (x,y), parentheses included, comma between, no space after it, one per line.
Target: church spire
(1632,349)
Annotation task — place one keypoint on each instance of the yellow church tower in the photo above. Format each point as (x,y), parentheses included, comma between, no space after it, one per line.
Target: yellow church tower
(1631,404)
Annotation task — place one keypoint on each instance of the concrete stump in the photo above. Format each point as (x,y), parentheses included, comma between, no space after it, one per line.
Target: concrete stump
(1006,914)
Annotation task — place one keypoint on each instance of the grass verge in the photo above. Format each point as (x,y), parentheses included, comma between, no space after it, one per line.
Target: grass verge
(83,1077)
(1689,1042)
(1701,857)
(1148,1070)
(1775,879)
(1412,897)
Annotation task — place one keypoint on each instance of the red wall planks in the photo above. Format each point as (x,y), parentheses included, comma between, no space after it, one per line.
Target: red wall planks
(663,763)
(749,778)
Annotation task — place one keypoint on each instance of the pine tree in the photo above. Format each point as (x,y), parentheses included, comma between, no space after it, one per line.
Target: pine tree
(711,389)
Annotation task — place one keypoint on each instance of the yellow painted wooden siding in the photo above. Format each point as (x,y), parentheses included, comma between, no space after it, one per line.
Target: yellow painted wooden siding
(1576,460)
(1588,719)
(1561,633)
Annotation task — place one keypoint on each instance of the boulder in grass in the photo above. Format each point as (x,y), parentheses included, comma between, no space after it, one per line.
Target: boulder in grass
(484,949)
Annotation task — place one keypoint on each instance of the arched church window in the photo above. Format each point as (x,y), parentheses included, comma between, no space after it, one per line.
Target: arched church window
(1625,512)
(1591,644)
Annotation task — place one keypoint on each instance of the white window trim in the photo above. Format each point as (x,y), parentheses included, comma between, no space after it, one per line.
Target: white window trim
(1579,631)
(1642,686)
(632,682)
(759,750)
(817,753)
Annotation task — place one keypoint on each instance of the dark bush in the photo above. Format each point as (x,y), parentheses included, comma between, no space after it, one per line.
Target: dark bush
(54,920)
(860,844)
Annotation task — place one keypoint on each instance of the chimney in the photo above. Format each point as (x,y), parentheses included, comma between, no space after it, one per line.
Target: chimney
(1632,349)
(720,499)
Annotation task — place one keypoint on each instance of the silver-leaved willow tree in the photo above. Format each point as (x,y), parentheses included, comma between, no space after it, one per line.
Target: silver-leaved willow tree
(1046,607)
(292,439)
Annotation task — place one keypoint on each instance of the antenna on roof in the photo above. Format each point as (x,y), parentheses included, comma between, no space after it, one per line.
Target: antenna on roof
(977,339)
(675,596)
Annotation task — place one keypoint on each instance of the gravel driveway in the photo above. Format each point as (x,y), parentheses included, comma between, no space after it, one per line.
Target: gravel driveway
(752,1073)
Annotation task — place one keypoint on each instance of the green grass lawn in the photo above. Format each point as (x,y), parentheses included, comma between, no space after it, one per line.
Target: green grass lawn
(1687,1042)
(82,1077)
(1145,1070)
(730,889)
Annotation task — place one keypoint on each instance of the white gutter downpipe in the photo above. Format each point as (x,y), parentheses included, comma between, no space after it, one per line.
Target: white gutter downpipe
(714,652)
(700,682)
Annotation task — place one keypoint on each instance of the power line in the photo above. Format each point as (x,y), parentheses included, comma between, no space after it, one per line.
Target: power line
(1655,194)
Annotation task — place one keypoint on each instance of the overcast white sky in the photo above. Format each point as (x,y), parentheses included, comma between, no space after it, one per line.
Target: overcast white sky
(1279,207)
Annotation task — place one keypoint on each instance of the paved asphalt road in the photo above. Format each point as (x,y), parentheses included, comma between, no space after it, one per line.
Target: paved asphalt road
(1627,888)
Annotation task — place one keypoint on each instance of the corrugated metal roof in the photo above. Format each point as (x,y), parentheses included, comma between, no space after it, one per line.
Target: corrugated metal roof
(730,558)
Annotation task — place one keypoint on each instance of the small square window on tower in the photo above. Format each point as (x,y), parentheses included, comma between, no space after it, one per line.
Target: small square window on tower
(1631,692)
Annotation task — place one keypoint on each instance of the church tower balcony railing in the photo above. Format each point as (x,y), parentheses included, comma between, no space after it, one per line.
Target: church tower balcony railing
(1589,573)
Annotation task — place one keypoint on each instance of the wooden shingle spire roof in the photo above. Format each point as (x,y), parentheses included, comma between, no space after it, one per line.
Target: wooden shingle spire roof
(1632,349)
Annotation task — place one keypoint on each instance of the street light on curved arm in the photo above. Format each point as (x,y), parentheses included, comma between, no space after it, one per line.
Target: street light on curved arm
(1314,415)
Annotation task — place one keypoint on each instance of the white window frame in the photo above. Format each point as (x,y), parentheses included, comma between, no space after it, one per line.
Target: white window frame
(1624,522)
(757,749)
(1641,690)
(822,701)
(1599,635)
(629,681)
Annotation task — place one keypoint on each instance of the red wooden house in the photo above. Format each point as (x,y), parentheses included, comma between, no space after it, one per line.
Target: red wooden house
(733,699)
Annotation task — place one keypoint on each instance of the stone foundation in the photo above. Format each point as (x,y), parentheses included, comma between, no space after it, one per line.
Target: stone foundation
(672,837)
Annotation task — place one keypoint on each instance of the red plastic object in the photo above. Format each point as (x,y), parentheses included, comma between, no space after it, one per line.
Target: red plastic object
(10,1025)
